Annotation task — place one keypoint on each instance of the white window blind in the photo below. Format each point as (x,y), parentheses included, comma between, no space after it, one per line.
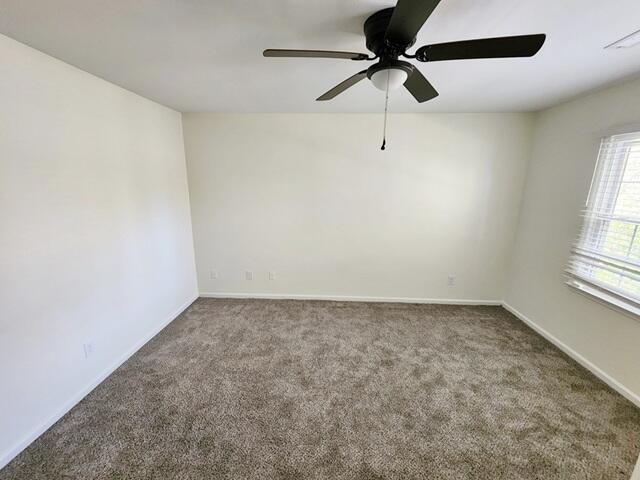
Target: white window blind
(606,256)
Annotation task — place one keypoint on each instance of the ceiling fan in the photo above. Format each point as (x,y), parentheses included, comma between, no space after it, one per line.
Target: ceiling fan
(391,32)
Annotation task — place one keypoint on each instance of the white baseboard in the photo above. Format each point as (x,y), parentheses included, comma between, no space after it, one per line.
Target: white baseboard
(602,375)
(636,472)
(10,454)
(350,298)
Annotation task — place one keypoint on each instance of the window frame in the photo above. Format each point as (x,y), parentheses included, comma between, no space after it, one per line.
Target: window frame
(607,295)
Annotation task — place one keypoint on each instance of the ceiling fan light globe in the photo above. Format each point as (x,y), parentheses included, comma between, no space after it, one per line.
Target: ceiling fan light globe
(394,77)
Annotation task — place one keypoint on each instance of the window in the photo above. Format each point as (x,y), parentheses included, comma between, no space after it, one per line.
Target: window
(606,258)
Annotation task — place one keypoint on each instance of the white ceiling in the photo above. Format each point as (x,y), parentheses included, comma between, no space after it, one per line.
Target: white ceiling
(206,55)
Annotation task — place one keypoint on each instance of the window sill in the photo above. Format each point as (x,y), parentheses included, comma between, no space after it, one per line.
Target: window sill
(611,300)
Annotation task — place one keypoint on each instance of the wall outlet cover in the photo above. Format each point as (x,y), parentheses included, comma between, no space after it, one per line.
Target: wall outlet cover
(88,349)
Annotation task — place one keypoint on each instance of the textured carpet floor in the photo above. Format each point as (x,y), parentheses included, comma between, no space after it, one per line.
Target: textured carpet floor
(252,389)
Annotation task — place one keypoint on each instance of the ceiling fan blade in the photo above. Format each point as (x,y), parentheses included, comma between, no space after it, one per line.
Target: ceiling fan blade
(274,52)
(341,87)
(501,47)
(408,18)
(420,87)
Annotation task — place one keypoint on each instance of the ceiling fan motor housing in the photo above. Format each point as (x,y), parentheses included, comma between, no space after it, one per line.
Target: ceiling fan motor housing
(375,28)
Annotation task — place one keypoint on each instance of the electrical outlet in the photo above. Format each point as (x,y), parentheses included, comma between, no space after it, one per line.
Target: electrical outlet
(88,349)
(248,275)
(213,274)
(451,280)
(272,275)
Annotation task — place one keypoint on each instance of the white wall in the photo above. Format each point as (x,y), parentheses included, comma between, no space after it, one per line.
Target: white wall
(95,234)
(565,150)
(313,198)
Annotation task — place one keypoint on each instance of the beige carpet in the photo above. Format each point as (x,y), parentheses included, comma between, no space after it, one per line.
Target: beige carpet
(252,389)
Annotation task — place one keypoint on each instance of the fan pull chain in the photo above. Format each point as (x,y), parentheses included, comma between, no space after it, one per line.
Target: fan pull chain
(386,108)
